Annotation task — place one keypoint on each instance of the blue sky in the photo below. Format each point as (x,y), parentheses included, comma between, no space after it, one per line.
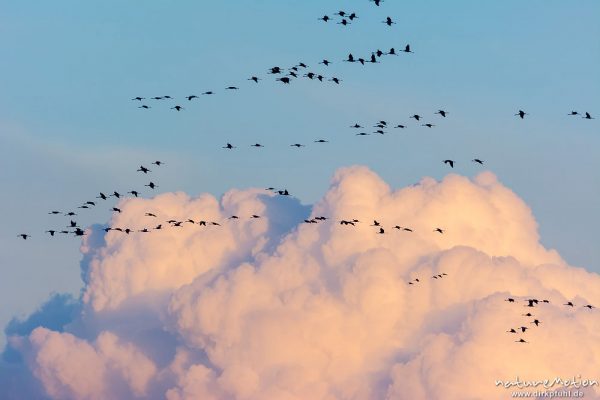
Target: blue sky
(69,130)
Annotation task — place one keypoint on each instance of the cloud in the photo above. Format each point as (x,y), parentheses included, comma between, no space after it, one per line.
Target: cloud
(274,308)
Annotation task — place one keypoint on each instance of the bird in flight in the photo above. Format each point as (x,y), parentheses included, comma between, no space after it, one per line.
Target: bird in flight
(377,2)
(325,62)
(54,212)
(536,322)
(208,93)
(143,169)
(477,160)
(138,98)
(400,126)
(589,306)
(428,125)
(191,97)
(158,163)
(324,18)
(449,162)
(438,230)
(521,114)
(254,78)
(298,145)
(231,88)
(256,145)
(284,79)
(336,80)
(151,185)
(24,236)
(388,21)
(178,108)
(442,113)
(321,141)
(416,117)
(588,116)
(229,146)
(407,49)
(570,304)
(144,106)
(134,192)
(521,341)
(573,113)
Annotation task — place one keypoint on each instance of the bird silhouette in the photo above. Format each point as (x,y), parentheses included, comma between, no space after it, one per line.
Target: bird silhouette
(521,341)
(344,22)
(363,134)
(101,196)
(116,194)
(416,117)
(428,125)
(54,212)
(321,141)
(134,192)
(388,21)
(70,214)
(151,185)
(229,146)
(512,330)
(589,306)
(400,126)
(144,107)
(477,160)
(350,58)
(588,116)
(377,2)
(284,79)
(449,162)
(325,62)
(536,322)
(352,17)
(356,126)
(573,113)
(381,231)
(158,163)
(442,113)
(178,108)
(521,114)
(115,209)
(527,315)
(150,215)
(439,230)
(256,145)
(143,169)
(208,93)
(254,78)
(570,304)
(191,97)
(24,236)
(324,18)
(336,80)
(231,88)
(392,52)
(298,145)
(407,49)
(510,300)
(138,98)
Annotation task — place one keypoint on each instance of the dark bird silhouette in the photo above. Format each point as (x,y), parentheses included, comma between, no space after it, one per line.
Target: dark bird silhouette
(208,93)
(477,160)
(373,59)
(407,49)
(156,98)
(407,229)
(521,114)
(310,75)
(102,196)
(79,232)
(138,98)
(324,18)
(381,231)
(24,236)
(158,227)
(134,192)
(298,145)
(115,209)
(350,58)
(570,304)
(521,341)
(231,88)
(254,78)
(400,126)
(352,17)
(256,145)
(363,134)
(449,162)
(344,22)
(283,192)
(143,169)
(376,223)
(512,330)
(117,195)
(428,125)
(91,203)
(573,113)
(54,212)
(83,206)
(380,131)
(275,70)
(284,79)
(70,214)
(151,185)
(361,61)
(158,163)
(356,126)
(510,300)
(254,216)
(144,107)
(524,328)
(442,113)
(72,224)
(392,52)
(234,217)
(325,63)
(145,230)
(344,222)
(178,108)
(321,141)
(416,117)
(191,97)
(150,215)
(527,315)
(377,2)
(388,21)
(536,322)
(589,306)
(167,97)
(438,230)
(229,146)
(588,116)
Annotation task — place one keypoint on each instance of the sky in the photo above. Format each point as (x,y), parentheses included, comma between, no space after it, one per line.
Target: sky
(68,127)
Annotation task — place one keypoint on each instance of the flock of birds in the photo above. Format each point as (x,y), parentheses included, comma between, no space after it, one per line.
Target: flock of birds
(286,76)
(532,303)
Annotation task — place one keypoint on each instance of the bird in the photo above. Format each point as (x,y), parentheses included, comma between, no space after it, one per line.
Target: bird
(521,341)
(416,117)
(524,328)
(115,209)
(143,169)
(321,141)
(589,306)
(428,125)
(79,232)
(570,304)
(91,203)
(158,227)
(178,108)
(344,22)
(229,146)
(512,330)
(151,185)
(477,160)
(376,223)
(284,79)
(381,231)
(283,192)
(158,163)
(150,215)
(363,134)
(400,126)
(145,230)
(144,107)
(191,97)
(588,116)
(380,131)
(24,236)
(388,21)
(275,70)
(72,224)
(231,88)
(407,229)
(254,216)
(377,2)
(352,17)
(521,114)
(573,113)
(527,315)
(208,93)
(350,58)
(298,145)
(325,18)
(449,162)
(116,194)
(536,322)
(101,196)
(254,78)
(438,230)
(325,62)
(442,113)
(70,214)
(156,98)
(138,98)
(392,52)
(134,192)
(407,49)
(256,145)
(54,212)
(510,300)
(356,126)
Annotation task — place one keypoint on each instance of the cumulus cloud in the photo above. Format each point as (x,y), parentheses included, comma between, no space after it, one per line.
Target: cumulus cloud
(274,308)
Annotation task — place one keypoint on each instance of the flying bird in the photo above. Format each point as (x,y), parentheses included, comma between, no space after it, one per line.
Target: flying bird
(536,322)
(407,49)
(416,117)
(254,78)
(521,114)
(144,107)
(231,88)
(178,108)
(101,196)
(449,162)
(24,236)
(138,98)
(438,230)
(229,146)
(428,125)
(143,169)
(588,116)
(477,160)
(324,18)
(158,163)
(442,113)
(191,97)
(151,185)
(388,21)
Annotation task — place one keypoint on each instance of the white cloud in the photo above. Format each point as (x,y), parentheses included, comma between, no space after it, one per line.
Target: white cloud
(257,310)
